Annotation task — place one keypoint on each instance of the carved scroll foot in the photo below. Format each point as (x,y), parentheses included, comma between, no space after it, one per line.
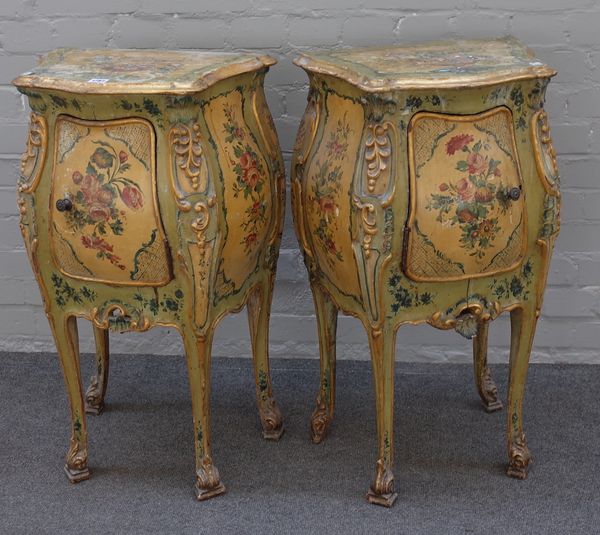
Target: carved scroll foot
(208,482)
(94,402)
(382,489)
(271,420)
(259,308)
(519,459)
(320,422)
(489,393)
(76,466)
(483,379)
(94,396)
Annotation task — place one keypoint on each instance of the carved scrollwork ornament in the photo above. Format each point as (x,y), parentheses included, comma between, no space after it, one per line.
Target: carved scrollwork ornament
(464,317)
(519,458)
(76,457)
(369,224)
(93,395)
(115,317)
(377,153)
(320,421)
(208,481)
(199,225)
(377,107)
(382,487)
(271,419)
(187,146)
(489,388)
(32,160)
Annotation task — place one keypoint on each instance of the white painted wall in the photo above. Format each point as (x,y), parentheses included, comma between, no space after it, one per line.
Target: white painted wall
(564,34)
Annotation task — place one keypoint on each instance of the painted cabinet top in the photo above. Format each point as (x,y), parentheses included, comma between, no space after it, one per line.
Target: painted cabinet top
(111,71)
(439,65)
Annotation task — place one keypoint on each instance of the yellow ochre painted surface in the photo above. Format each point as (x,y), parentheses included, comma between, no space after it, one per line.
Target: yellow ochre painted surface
(433,163)
(151,193)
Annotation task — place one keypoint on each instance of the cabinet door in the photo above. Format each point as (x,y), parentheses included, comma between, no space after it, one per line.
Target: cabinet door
(104,219)
(467,210)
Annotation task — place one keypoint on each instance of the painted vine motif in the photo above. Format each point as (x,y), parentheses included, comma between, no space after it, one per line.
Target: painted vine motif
(406,296)
(169,303)
(473,201)
(95,213)
(148,106)
(516,286)
(414,102)
(64,293)
(250,181)
(521,103)
(325,189)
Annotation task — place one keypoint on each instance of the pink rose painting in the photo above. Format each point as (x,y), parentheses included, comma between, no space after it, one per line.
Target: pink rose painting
(473,201)
(96,213)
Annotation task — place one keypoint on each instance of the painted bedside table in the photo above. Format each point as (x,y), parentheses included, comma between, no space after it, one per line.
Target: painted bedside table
(425,189)
(152,193)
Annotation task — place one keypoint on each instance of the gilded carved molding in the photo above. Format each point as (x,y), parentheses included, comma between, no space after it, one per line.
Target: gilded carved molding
(32,160)
(377,157)
(189,172)
(545,155)
(465,315)
(547,169)
(305,138)
(372,250)
(199,225)
(264,120)
(201,255)
(189,176)
(307,130)
(117,317)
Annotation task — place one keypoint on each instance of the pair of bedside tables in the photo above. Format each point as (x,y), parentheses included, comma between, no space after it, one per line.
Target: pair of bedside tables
(424,189)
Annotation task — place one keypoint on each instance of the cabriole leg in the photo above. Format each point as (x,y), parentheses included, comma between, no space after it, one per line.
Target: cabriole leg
(383,344)
(198,350)
(327,315)
(483,379)
(523,322)
(259,309)
(94,396)
(64,329)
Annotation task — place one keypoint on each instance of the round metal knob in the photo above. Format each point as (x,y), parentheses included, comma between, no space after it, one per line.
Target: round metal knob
(514,194)
(64,205)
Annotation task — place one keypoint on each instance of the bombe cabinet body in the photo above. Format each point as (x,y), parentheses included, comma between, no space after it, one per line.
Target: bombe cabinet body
(152,194)
(425,189)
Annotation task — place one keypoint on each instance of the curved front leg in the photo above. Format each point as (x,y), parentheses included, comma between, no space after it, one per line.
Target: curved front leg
(485,385)
(259,309)
(64,329)
(198,353)
(327,315)
(94,396)
(383,349)
(523,322)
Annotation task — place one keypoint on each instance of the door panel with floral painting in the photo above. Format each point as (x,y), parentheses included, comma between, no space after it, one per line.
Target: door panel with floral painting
(467,215)
(103,208)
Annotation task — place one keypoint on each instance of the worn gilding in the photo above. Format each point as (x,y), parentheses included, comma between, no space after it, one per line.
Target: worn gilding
(131,208)
(447,223)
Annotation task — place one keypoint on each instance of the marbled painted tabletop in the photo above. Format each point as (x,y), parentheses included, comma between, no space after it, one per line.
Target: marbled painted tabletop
(111,71)
(459,63)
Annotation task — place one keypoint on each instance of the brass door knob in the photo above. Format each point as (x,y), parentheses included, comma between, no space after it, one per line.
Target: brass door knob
(64,205)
